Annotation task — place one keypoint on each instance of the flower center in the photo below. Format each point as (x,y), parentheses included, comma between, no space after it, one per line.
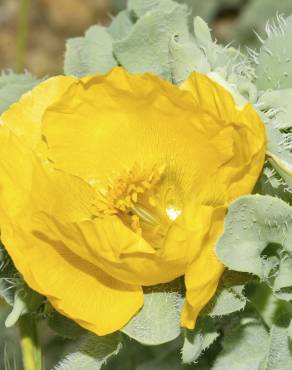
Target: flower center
(135,197)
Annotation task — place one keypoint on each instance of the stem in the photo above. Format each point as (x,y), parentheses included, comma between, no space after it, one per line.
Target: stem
(22,33)
(30,347)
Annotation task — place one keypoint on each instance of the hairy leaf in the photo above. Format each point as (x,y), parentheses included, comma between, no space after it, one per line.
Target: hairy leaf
(275,58)
(199,339)
(140,7)
(253,224)
(12,86)
(64,326)
(146,49)
(90,54)
(278,103)
(229,296)
(244,347)
(159,319)
(279,355)
(94,352)
(25,300)
(121,25)
(186,57)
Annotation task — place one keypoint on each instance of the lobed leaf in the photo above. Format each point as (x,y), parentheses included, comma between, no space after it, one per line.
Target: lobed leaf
(64,327)
(159,319)
(121,25)
(274,69)
(254,223)
(90,54)
(229,296)
(198,340)
(279,355)
(146,48)
(12,86)
(93,354)
(244,347)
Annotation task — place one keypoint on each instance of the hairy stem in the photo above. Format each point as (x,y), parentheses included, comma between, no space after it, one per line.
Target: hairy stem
(31,351)
(22,33)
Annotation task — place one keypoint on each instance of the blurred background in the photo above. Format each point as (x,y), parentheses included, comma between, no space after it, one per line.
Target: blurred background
(51,22)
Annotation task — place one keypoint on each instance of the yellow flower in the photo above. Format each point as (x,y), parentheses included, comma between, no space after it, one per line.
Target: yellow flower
(110,183)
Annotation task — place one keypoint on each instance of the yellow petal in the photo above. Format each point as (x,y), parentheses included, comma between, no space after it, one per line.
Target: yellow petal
(202,276)
(100,128)
(76,287)
(24,118)
(135,119)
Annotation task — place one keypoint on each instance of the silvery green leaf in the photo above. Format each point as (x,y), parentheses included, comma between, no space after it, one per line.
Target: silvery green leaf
(146,49)
(90,54)
(229,296)
(167,357)
(279,102)
(8,277)
(186,57)
(279,355)
(25,300)
(121,25)
(199,339)
(93,353)
(280,154)
(12,86)
(271,183)
(64,327)
(254,15)
(159,319)
(224,60)
(252,224)
(275,58)
(202,32)
(244,347)
(204,9)
(290,330)
(268,306)
(140,7)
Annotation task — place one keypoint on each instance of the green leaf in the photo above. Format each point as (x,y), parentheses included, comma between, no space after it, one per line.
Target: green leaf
(140,7)
(271,183)
(90,54)
(275,58)
(279,355)
(159,319)
(25,300)
(199,339)
(268,306)
(12,86)
(121,25)
(290,330)
(278,103)
(146,49)
(244,347)
(229,62)
(8,277)
(186,57)
(253,224)
(64,327)
(279,153)
(229,296)
(167,357)
(202,32)
(93,353)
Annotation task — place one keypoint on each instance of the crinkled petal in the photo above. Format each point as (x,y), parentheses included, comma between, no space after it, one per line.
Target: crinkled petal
(74,285)
(106,124)
(203,274)
(24,117)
